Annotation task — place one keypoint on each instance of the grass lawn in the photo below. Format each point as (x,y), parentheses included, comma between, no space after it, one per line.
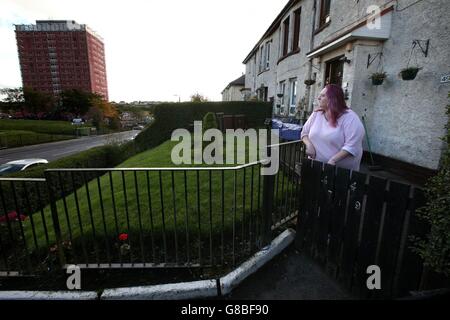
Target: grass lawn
(159,210)
(40,126)
(19,138)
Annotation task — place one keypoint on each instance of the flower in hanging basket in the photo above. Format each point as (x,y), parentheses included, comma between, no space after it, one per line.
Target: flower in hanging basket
(310,82)
(409,73)
(378,78)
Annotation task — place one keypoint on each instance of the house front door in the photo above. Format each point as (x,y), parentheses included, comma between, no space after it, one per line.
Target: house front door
(334,71)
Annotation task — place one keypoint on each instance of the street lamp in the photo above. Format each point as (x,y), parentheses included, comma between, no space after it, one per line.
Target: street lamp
(179,98)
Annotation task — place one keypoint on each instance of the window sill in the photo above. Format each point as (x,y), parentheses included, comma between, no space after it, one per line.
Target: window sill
(288,55)
(322,27)
(261,72)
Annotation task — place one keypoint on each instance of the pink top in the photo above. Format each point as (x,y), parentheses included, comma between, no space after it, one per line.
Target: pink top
(327,140)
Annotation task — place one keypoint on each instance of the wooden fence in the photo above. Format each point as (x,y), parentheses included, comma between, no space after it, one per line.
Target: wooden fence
(349,220)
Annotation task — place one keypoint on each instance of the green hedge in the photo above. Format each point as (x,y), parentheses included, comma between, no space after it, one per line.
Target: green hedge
(99,157)
(41,126)
(171,116)
(107,156)
(435,247)
(19,138)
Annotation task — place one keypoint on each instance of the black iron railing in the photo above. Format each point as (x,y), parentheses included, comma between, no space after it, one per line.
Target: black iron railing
(21,203)
(146,217)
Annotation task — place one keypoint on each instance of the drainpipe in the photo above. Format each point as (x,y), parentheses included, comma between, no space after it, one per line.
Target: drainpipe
(311,45)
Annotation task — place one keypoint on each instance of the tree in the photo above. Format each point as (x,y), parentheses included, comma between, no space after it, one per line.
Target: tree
(108,110)
(13,95)
(96,115)
(197,97)
(36,101)
(13,99)
(115,124)
(76,101)
(100,110)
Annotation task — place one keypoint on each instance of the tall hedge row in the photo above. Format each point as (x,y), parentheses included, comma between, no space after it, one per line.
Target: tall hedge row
(171,116)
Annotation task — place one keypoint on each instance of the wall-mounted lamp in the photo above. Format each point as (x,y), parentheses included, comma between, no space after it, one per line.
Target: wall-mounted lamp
(345,59)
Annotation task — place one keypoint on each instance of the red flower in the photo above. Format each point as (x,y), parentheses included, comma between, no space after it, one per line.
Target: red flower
(13,216)
(123,237)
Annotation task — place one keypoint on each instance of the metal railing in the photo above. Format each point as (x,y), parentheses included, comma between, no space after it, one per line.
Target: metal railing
(21,220)
(147,217)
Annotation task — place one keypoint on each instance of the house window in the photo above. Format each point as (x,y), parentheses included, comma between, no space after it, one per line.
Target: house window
(261,58)
(283,98)
(334,71)
(285,37)
(292,96)
(267,55)
(324,12)
(297,15)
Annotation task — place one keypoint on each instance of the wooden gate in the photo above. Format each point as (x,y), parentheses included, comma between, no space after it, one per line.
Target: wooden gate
(349,221)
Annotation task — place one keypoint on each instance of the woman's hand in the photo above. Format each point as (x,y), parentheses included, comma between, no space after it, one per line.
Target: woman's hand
(310,150)
(338,157)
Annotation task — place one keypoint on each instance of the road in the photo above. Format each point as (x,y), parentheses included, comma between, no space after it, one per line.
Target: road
(60,149)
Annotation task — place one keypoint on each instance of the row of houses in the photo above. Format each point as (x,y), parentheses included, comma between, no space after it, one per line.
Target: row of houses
(315,42)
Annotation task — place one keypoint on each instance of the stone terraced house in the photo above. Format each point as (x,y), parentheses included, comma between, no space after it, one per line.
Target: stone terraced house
(314,42)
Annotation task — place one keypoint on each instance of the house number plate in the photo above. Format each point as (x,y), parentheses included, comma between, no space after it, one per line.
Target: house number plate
(445,78)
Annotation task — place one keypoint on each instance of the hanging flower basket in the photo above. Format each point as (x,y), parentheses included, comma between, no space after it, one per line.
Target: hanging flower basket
(409,73)
(378,78)
(310,82)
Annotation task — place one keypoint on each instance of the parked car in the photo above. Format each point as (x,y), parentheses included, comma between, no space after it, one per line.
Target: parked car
(20,165)
(139,127)
(77,121)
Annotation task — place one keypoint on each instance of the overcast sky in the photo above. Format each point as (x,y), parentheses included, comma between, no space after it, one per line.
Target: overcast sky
(154,49)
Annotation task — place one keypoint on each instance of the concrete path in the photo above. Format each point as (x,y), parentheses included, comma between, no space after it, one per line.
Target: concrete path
(290,276)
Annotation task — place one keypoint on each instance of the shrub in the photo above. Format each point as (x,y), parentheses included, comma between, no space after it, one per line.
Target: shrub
(209,121)
(435,248)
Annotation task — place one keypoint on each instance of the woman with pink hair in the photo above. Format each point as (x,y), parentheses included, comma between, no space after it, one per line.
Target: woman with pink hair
(334,133)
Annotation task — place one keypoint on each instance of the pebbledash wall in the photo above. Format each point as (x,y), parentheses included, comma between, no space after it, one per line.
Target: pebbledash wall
(232,93)
(405,119)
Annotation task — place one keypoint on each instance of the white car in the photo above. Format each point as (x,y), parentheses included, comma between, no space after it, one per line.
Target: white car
(77,121)
(20,165)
